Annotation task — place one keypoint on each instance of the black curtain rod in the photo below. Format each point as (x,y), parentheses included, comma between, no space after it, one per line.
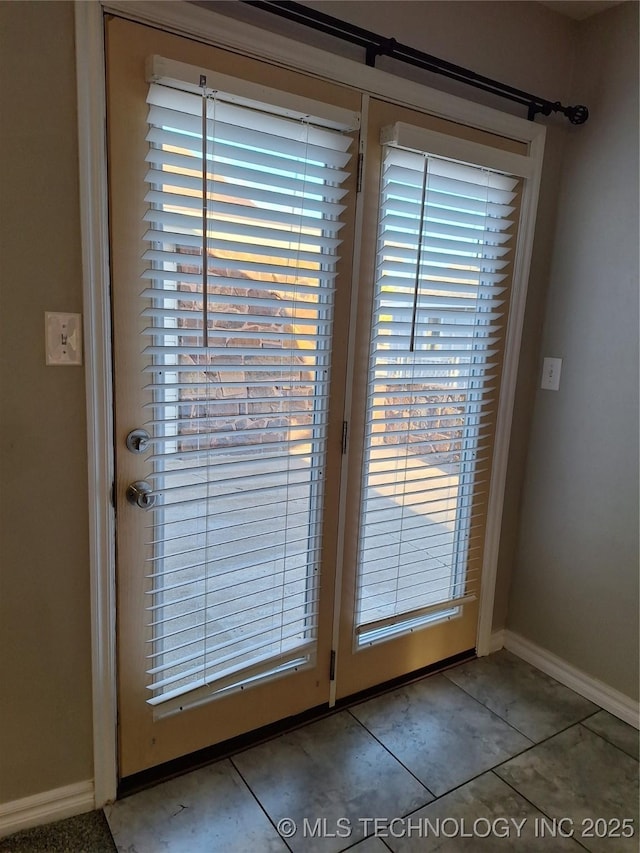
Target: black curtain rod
(376,45)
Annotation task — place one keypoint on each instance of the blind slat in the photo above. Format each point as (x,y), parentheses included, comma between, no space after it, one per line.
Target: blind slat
(259,232)
(185,164)
(242,209)
(255,195)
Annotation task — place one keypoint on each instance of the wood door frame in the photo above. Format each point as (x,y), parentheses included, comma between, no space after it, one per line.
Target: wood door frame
(213,28)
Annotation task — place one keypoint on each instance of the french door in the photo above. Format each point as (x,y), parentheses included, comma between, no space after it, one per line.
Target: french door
(437,255)
(229,234)
(278,548)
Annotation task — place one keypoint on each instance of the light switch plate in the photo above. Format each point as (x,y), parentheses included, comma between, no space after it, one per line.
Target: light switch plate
(63,338)
(551,374)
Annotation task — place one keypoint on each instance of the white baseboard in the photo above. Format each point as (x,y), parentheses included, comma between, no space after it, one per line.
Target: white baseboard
(46,807)
(496,641)
(591,688)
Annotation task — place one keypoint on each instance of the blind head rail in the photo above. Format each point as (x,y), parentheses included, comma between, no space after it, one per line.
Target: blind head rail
(376,45)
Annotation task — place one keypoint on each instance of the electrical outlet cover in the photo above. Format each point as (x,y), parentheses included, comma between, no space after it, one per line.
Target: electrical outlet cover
(63,338)
(551,369)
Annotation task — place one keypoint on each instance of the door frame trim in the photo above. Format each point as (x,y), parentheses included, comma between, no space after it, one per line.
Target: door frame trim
(94,228)
(192,21)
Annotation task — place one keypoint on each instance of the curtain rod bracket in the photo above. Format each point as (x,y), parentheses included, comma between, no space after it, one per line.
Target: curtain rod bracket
(376,45)
(386,47)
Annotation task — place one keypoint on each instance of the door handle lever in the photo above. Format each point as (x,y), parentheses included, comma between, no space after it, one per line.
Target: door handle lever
(141,494)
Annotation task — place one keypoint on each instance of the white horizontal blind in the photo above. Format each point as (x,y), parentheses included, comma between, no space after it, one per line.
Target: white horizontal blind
(445,243)
(243,230)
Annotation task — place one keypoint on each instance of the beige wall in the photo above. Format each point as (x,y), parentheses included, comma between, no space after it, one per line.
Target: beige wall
(45,700)
(520,42)
(575,584)
(45,686)
(503,40)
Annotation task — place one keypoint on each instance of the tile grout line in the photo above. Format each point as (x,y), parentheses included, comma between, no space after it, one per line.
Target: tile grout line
(562,731)
(606,739)
(260,806)
(361,841)
(255,796)
(576,722)
(395,758)
(477,775)
(544,740)
(493,768)
(466,782)
(533,805)
(490,710)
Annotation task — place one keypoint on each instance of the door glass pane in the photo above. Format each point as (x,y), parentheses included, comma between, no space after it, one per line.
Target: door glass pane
(444,245)
(238,376)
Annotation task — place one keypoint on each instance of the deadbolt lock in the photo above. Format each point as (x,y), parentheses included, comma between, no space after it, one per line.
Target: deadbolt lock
(141,494)
(138,441)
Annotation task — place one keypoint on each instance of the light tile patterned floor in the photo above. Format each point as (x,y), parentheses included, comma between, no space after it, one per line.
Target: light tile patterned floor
(491,755)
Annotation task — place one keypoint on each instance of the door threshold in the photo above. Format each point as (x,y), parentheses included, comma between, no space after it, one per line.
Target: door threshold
(194,760)
(402,680)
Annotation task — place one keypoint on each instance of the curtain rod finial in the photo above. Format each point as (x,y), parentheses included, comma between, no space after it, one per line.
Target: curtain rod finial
(578,114)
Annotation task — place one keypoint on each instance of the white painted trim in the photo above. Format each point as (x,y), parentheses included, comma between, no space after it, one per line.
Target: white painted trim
(46,807)
(522,264)
(497,641)
(591,688)
(97,321)
(213,28)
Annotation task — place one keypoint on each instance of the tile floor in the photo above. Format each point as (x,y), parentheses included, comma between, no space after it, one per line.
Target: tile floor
(491,755)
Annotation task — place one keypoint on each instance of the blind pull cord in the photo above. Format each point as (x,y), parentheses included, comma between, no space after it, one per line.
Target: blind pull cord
(205,217)
(414,313)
